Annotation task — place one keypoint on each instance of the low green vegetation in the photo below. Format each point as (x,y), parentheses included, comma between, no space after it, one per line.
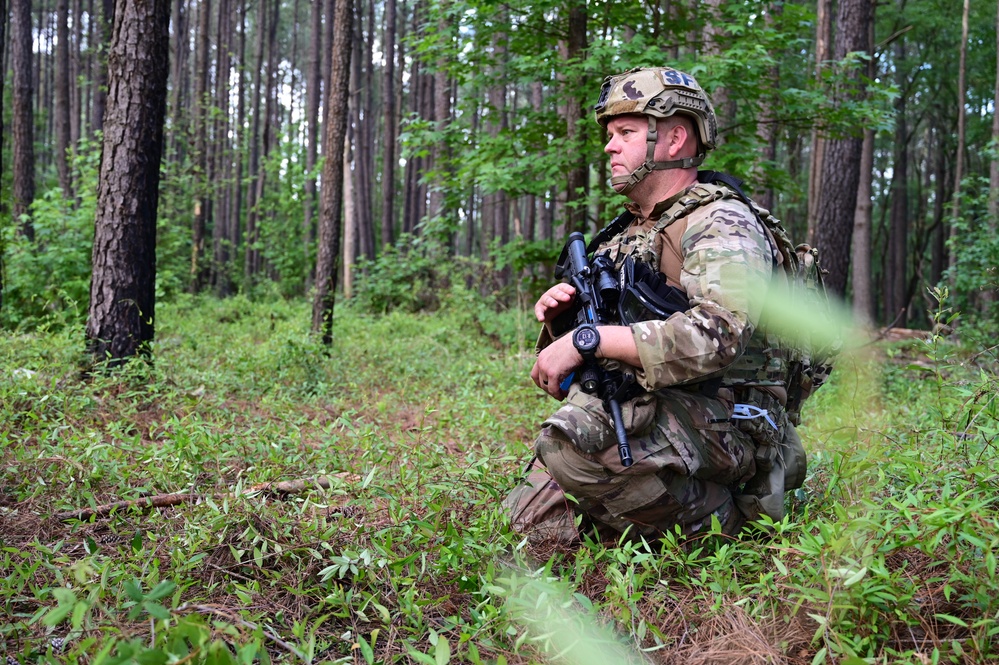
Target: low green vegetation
(345,507)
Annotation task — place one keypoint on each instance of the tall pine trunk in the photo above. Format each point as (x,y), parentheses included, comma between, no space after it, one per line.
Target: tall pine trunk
(823,29)
(989,296)
(898,238)
(3,62)
(389,130)
(961,129)
(332,185)
(578,177)
(178,78)
(442,115)
(841,161)
(313,89)
(202,199)
(122,288)
(22,121)
(62,107)
(221,170)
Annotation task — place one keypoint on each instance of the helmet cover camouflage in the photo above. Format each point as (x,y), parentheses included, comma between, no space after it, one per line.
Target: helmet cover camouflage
(659,92)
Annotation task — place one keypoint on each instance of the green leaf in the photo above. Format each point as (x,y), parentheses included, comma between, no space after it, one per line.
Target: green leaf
(56,615)
(419,656)
(366,650)
(133,590)
(79,611)
(855,577)
(162,590)
(951,619)
(442,652)
(64,596)
(156,610)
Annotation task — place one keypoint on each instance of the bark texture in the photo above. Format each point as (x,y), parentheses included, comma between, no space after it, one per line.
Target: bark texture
(332,185)
(122,296)
(841,161)
(22,122)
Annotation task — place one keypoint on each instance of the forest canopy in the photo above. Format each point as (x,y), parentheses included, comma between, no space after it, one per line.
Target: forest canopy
(470,145)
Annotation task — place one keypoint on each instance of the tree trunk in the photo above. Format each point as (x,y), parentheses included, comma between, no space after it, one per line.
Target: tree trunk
(294,67)
(988,296)
(959,156)
(389,130)
(122,293)
(363,154)
(766,127)
(863,300)
(332,188)
(3,70)
(578,177)
(178,79)
(202,200)
(254,166)
(101,79)
(898,238)
(254,263)
(61,110)
(823,29)
(366,130)
(22,120)
(714,32)
(939,248)
(77,85)
(863,297)
(494,223)
(414,166)
(349,224)
(239,140)
(442,115)
(841,161)
(45,89)
(221,170)
(313,90)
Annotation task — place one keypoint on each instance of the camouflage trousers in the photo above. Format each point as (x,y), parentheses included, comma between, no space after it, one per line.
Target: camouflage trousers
(690,461)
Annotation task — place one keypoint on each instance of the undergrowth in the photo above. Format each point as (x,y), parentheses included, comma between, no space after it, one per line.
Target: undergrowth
(403,439)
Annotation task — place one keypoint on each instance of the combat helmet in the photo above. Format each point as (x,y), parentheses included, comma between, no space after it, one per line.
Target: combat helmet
(657,92)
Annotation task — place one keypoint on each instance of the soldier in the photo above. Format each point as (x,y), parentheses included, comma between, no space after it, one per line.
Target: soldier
(706,426)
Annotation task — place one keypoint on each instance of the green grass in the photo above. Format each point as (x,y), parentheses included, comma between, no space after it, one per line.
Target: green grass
(420,424)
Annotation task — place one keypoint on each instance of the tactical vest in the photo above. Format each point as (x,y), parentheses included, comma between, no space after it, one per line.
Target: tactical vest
(762,363)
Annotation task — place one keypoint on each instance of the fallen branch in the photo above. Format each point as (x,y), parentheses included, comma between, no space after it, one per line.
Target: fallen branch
(282,488)
(146,502)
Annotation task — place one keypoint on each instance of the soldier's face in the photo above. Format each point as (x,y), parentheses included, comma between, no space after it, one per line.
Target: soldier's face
(626,145)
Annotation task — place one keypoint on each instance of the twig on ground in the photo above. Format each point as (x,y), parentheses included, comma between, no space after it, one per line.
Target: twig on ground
(281,488)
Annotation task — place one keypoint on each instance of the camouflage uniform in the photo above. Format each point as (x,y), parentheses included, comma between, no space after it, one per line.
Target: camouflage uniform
(692,460)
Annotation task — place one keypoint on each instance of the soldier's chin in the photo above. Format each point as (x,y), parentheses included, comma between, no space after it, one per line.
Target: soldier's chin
(616,186)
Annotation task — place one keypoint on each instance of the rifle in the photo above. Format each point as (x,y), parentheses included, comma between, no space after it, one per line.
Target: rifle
(597,293)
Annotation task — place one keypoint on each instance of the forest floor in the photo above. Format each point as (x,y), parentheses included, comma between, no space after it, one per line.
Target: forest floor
(252,496)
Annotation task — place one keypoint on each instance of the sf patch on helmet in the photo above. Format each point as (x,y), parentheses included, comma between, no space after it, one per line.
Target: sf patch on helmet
(659,92)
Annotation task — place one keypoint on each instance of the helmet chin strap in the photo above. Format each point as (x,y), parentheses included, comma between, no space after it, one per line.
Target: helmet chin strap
(650,164)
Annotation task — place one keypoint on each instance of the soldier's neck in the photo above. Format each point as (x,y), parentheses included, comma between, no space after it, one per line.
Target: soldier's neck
(663,185)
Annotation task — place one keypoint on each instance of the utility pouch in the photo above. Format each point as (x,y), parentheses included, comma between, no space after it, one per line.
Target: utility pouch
(587,424)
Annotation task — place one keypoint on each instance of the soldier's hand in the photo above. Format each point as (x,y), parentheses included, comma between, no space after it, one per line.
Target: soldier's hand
(554,301)
(554,363)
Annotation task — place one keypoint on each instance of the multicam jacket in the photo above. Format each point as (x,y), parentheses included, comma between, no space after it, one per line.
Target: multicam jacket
(708,243)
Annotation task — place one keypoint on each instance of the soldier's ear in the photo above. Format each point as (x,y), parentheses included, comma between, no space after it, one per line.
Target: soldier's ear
(676,137)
